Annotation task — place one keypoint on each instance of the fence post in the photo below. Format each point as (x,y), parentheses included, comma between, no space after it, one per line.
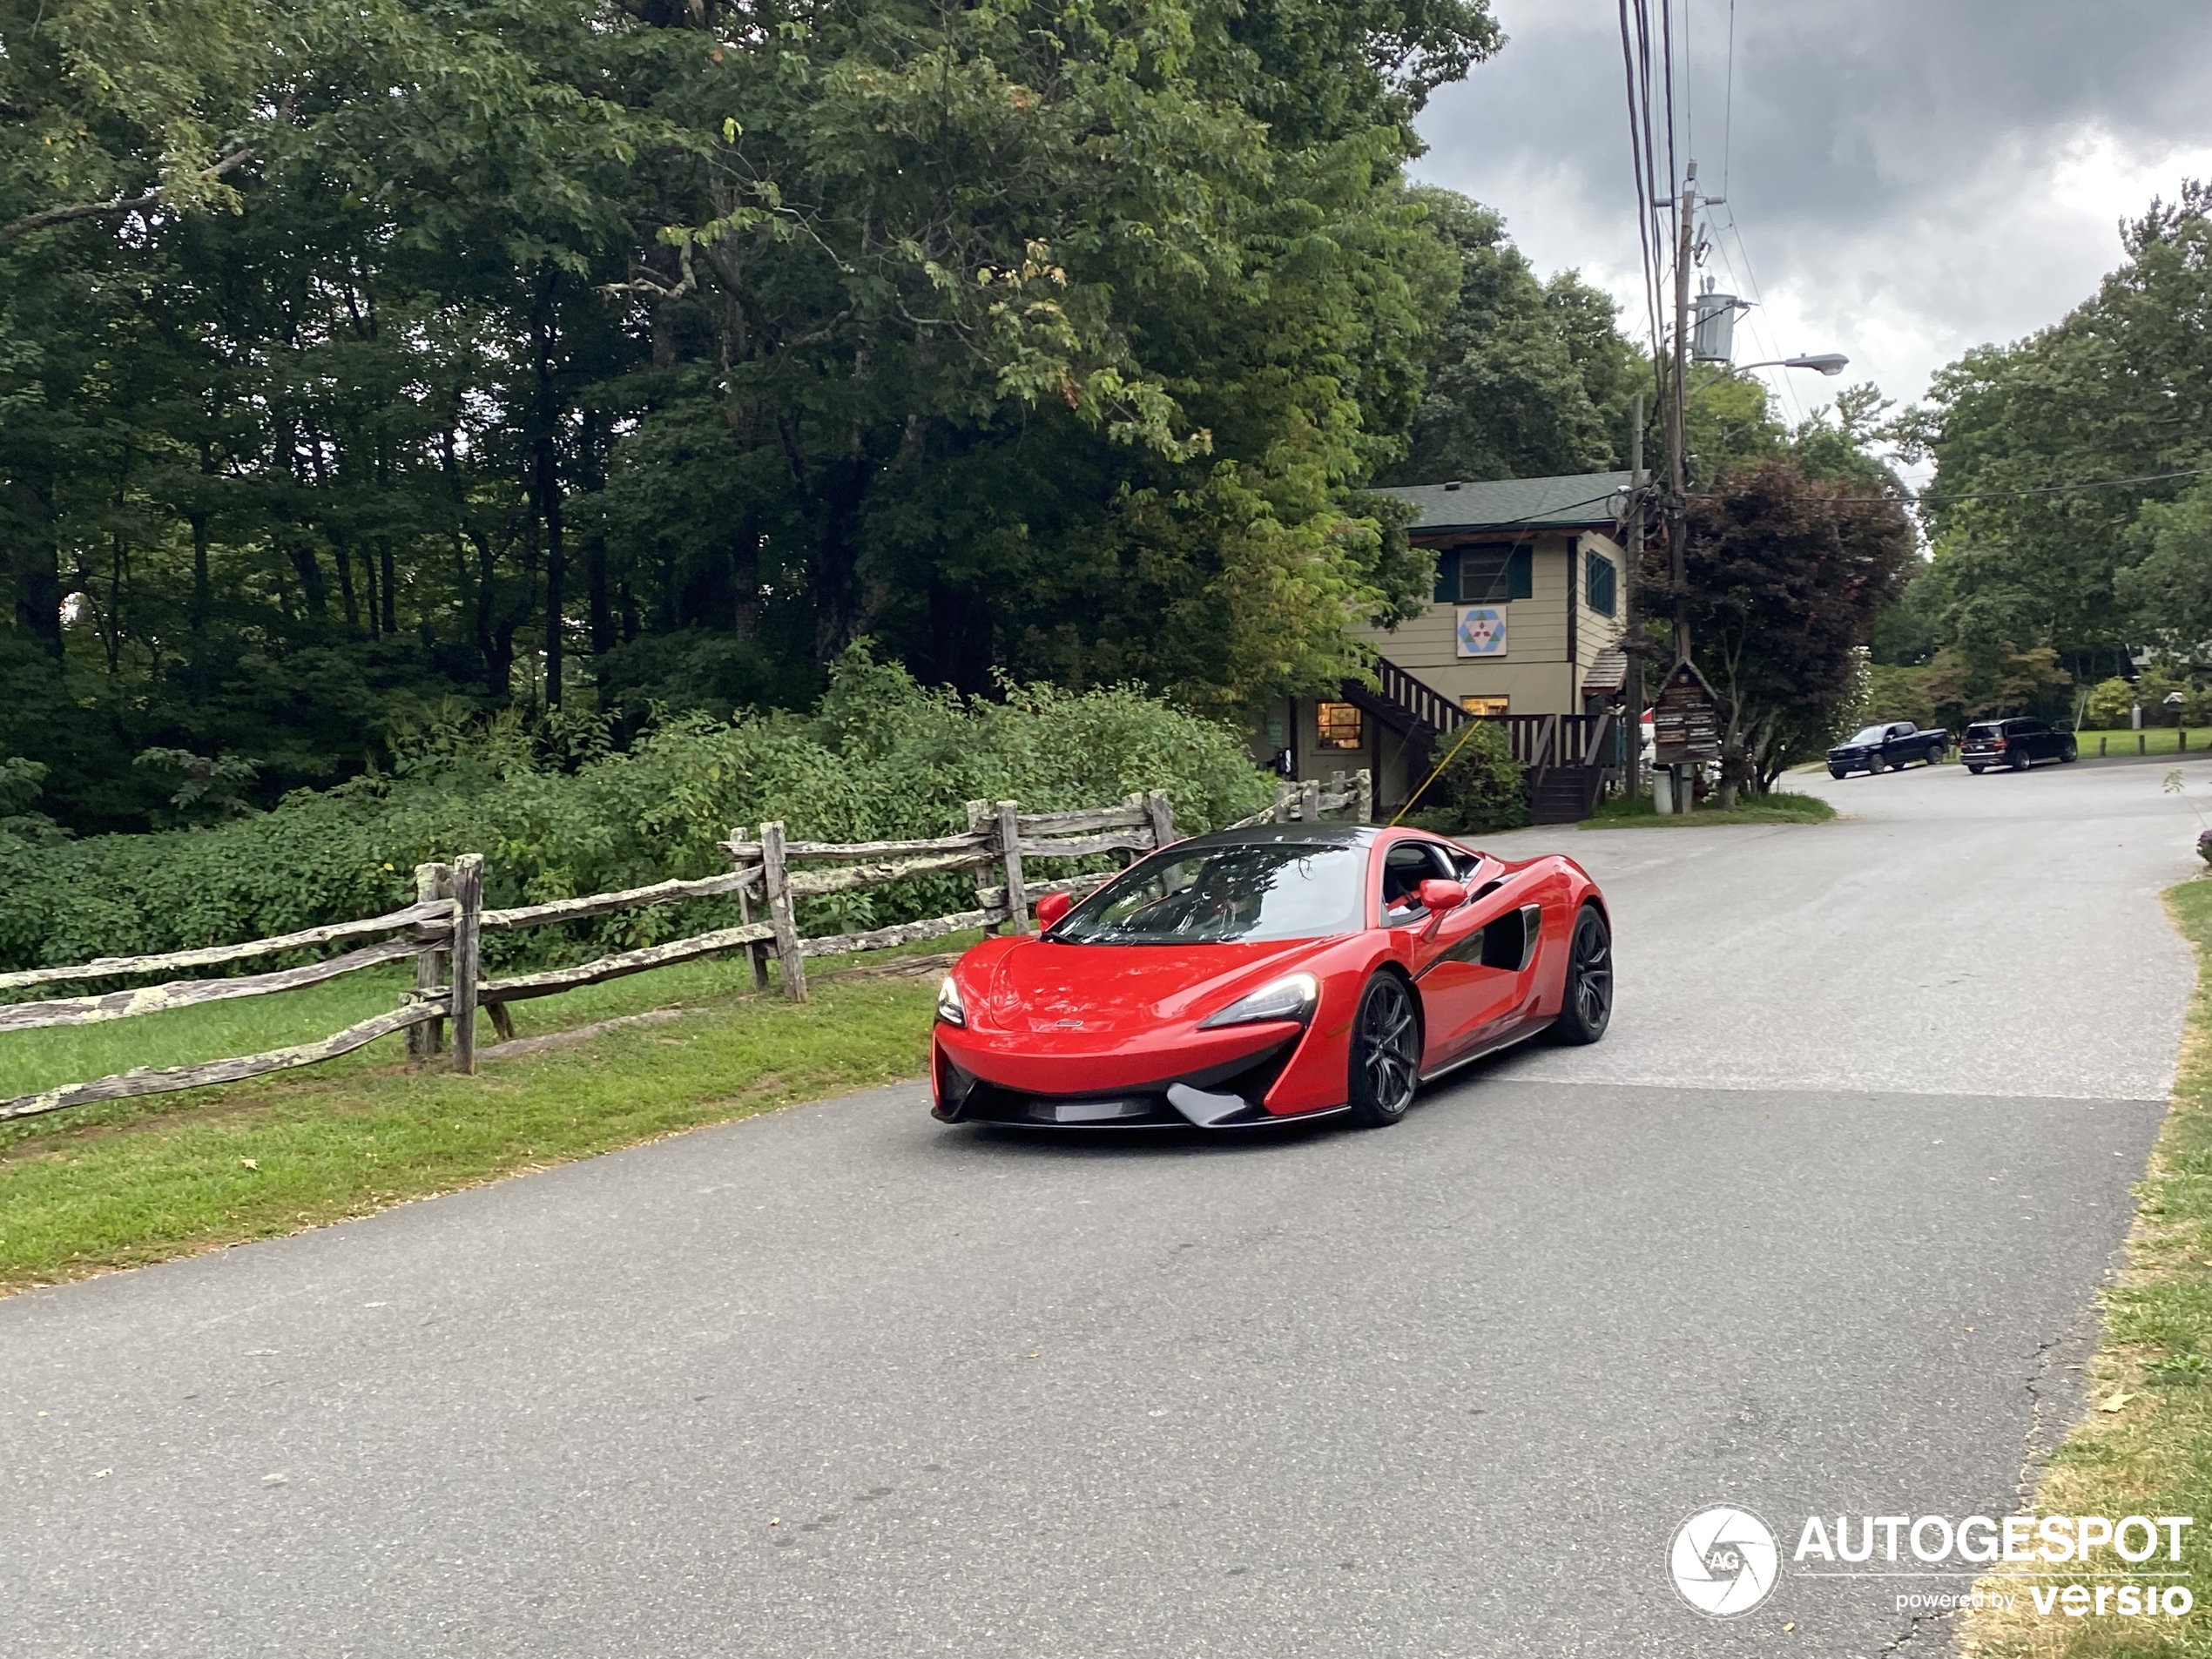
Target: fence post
(432,881)
(1282,794)
(468,906)
(1309,807)
(980,820)
(775,888)
(1163,817)
(758,951)
(1363,781)
(1018,895)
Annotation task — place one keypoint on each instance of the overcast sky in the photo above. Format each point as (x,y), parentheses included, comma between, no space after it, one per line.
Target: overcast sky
(1909,178)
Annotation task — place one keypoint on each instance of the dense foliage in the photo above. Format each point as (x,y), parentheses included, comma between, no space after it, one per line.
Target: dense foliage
(878,758)
(365,366)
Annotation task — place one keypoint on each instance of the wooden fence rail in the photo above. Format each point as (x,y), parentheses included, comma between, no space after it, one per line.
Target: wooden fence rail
(443,931)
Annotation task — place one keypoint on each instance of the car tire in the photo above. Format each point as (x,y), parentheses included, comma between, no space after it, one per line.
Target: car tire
(2071,753)
(2019,760)
(1839,771)
(1935,756)
(1587,1007)
(1977,771)
(1386,1053)
(1875,764)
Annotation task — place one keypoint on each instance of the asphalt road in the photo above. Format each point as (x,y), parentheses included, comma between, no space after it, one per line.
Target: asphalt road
(1816,1229)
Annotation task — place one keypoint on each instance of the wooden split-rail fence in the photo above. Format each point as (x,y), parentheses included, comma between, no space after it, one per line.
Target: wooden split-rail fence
(1306,801)
(444,932)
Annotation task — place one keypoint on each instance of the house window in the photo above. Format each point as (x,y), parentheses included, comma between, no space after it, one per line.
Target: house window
(1340,727)
(1485,708)
(1495,576)
(1600,583)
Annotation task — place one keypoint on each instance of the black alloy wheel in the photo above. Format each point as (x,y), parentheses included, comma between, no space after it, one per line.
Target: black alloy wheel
(1935,755)
(1386,1053)
(1588,1009)
(2071,753)
(1876,764)
(2020,761)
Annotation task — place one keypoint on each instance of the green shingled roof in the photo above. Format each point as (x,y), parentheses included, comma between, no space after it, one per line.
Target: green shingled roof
(1579,501)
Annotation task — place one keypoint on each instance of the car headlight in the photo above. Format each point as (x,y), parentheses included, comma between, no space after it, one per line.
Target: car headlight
(1292,997)
(950,1009)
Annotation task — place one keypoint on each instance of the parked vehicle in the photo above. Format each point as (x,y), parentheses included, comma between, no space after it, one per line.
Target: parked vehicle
(1877,748)
(2016,744)
(1257,975)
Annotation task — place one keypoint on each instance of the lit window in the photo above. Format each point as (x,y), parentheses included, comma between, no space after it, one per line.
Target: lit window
(1599,582)
(1485,708)
(1339,725)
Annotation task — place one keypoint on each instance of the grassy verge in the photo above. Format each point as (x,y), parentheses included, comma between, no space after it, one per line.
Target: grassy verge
(1781,807)
(2144,1447)
(2157,740)
(127,1183)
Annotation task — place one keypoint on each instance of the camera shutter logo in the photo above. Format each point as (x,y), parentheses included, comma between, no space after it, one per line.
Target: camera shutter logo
(1723,1561)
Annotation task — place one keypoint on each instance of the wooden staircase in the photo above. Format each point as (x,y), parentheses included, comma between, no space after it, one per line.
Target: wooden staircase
(1566,757)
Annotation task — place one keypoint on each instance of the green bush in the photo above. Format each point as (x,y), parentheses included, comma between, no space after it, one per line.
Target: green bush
(1480,787)
(879,757)
(2109,701)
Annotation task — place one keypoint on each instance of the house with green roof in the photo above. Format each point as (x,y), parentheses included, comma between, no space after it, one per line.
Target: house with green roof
(1524,627)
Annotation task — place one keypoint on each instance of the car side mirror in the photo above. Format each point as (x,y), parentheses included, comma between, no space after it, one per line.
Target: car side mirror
(1051,907)
(1438,896)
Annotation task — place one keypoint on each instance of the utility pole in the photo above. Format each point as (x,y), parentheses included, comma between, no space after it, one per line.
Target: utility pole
(1632,685)
(1677,412)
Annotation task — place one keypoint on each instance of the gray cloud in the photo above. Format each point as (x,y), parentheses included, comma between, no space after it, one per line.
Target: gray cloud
(1909,179)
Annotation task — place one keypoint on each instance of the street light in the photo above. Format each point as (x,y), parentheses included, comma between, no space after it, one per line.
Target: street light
(1828,362)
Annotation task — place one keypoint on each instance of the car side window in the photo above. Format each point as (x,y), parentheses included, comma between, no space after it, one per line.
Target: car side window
(1406,866)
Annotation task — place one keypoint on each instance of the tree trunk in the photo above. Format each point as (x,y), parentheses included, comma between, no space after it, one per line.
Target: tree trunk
(199,593)
(34,562)
(344,558)
(548,490)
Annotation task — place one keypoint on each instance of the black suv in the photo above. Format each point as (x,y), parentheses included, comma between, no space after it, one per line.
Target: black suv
(2017,743)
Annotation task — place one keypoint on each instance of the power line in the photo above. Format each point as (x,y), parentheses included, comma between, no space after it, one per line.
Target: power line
(1926,499)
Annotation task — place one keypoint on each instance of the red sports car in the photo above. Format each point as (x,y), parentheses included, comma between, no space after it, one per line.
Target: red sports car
(1259,975)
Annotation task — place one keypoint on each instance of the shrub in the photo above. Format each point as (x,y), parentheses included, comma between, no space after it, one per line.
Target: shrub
(1482,787)
(879,757)
(2109,701)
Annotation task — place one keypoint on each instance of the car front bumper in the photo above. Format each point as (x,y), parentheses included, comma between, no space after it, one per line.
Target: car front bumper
(969,1083)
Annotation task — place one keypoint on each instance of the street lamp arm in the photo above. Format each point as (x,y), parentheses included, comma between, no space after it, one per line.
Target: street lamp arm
(1826,362)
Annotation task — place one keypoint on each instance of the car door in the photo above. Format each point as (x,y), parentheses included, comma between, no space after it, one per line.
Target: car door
(1465,985)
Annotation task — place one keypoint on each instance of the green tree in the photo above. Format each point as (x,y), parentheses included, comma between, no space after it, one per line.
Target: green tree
(1522,379)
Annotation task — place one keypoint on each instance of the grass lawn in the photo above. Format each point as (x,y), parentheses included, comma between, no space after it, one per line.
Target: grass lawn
(2158,740)
(128,1182)
(2144,1447)
(1617,812)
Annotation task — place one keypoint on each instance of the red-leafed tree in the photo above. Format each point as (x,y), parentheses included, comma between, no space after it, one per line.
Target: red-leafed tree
(1787,573)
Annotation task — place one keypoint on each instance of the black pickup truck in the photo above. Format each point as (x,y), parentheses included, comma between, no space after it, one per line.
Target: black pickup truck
(1877,748)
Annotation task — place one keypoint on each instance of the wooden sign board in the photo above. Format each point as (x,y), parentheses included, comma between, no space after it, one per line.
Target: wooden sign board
(1685,720)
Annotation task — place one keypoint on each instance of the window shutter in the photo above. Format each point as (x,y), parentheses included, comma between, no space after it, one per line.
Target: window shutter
(1447,575)
(1520,579)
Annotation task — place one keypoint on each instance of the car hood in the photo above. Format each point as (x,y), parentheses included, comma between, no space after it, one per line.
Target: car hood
(1036,985)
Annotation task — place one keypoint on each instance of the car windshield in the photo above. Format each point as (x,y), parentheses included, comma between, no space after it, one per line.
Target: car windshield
(1870,734)
(1213,894)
